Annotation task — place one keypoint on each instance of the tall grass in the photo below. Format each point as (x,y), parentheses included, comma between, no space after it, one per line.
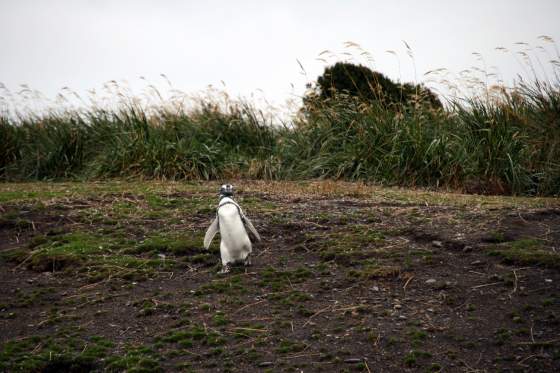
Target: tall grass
(206,143)
(506,143)
(475,146)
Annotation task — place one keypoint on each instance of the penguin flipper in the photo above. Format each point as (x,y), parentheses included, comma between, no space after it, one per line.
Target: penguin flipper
(249,225)
(211,232)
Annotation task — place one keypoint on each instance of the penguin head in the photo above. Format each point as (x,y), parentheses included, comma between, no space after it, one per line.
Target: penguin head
(226,190)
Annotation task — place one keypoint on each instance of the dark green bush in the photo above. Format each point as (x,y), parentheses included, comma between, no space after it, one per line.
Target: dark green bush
(344,78)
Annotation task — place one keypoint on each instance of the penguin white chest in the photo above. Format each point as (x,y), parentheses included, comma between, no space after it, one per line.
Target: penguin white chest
(235,244)
(231,222)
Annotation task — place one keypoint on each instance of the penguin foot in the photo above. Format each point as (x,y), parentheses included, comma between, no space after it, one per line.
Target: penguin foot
(225,269)
(247,261)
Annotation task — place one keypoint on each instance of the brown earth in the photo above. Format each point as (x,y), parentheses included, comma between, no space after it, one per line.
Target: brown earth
(346,278)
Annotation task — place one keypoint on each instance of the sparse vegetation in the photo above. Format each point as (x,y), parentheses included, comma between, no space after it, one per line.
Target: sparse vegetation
(112,276)
(528,251)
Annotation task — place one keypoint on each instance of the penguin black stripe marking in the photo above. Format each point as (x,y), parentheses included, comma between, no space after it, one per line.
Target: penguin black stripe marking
(235,245)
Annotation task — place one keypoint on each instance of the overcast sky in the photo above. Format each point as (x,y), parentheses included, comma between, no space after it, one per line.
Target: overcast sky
(252,45)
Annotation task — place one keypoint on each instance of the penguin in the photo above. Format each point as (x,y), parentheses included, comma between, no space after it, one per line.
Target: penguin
(235,245)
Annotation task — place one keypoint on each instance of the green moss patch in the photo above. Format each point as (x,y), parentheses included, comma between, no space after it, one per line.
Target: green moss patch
(526,252)
(371,271)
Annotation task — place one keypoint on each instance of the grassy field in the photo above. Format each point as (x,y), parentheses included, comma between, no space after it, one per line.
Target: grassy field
(112,276)
(502,141)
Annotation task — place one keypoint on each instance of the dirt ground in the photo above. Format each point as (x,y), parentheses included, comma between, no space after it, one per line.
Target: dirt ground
(112,276)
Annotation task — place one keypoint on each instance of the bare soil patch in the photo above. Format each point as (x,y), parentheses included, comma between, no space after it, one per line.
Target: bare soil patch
(117,280)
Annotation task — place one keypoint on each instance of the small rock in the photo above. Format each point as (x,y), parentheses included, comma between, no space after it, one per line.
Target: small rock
(437,243)
(146,311)
(375,288)
(549,280)
(29,280)
(477,263)
(495,277)
(402,317)
(430,310)
(353,361)
(397,306)
(266,364)
(431,281)
(467,249)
